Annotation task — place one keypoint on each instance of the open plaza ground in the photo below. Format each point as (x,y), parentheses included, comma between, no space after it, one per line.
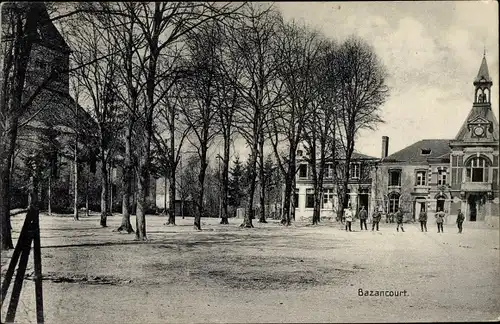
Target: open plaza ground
(270,273)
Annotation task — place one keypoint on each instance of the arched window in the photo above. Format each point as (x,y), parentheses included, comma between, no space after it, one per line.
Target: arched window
(486,95)
(393,202)
(477,170)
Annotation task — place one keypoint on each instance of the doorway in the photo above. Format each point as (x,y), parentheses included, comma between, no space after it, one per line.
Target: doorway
(419,206)
(363,201)
(472,202)
(440,204)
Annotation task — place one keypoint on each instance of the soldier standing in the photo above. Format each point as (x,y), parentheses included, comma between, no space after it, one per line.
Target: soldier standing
(439,220)
(460,220)
(363,215)
(399,220)
(376,219)
(348,218)
(422,217)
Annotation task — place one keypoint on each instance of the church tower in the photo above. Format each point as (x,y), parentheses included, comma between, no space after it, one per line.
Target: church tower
(474,160)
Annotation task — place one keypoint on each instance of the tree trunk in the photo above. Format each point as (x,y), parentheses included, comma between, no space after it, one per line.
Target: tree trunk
(49,207)
(87,213)
(292,193)
(75,179)
(8,143)
(11,109)
(249,213)
(317,205)
(262,193)
(110,183)
(165,195)
(142,182)
(225,181)
(289,185)
(287,201)
(126,184)
(201,183)
(171,197)
(104,192)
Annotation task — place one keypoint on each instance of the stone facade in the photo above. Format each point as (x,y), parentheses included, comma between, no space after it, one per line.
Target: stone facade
(360,191)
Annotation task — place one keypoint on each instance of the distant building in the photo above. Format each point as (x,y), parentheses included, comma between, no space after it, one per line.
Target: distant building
(362,169)
(448,174)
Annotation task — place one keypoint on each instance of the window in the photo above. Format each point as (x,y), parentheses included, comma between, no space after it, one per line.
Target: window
(303,171)
(421,178)
(299,152)
(296,198)
(355,170)
(329,171)
(442,177)
(395,178)
(477,170)
(310,198)
(393,202)
(425,151)
(328,195)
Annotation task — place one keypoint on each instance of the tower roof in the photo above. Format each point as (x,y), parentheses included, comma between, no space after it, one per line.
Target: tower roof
(483,71)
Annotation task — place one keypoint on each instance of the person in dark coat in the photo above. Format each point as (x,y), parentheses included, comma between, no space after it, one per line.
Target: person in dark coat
(440,220)
(363,215)
(460,220)
(377,215)
(422,217)
(399,220)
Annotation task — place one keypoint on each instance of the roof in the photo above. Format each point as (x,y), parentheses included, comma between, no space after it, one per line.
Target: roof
(48,35)
(361,156)
(483,72)
(439,148)
(480,114)
(57,109)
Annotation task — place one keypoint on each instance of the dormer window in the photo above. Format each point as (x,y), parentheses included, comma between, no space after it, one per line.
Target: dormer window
(425,151)
(300,152)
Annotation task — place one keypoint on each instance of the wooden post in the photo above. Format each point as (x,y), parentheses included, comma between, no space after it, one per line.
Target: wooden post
(29,232)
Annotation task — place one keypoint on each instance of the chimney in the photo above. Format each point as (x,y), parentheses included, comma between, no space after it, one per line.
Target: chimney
(385,146)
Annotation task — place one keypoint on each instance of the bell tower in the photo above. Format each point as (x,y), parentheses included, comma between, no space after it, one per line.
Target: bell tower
(482,85)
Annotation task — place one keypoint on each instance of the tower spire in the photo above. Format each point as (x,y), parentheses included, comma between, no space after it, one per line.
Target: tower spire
(483,73)
(482,83)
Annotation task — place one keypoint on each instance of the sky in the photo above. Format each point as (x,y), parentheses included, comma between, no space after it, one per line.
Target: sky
(432,51)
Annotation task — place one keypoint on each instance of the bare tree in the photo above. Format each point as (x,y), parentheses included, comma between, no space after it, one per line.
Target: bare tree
(252,41)
(319,126)
(163,26)
(299,52)
(119,19)
(200,108)
(177,128)
(97,80)
(229,68)
(361,92)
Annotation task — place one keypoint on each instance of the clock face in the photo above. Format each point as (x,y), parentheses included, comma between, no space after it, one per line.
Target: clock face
(478,131)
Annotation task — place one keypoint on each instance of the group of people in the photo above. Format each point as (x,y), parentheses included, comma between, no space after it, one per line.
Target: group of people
(377,215)
(440,215)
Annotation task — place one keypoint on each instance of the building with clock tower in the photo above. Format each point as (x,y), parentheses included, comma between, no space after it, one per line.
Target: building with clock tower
(446,174)
(474,156)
